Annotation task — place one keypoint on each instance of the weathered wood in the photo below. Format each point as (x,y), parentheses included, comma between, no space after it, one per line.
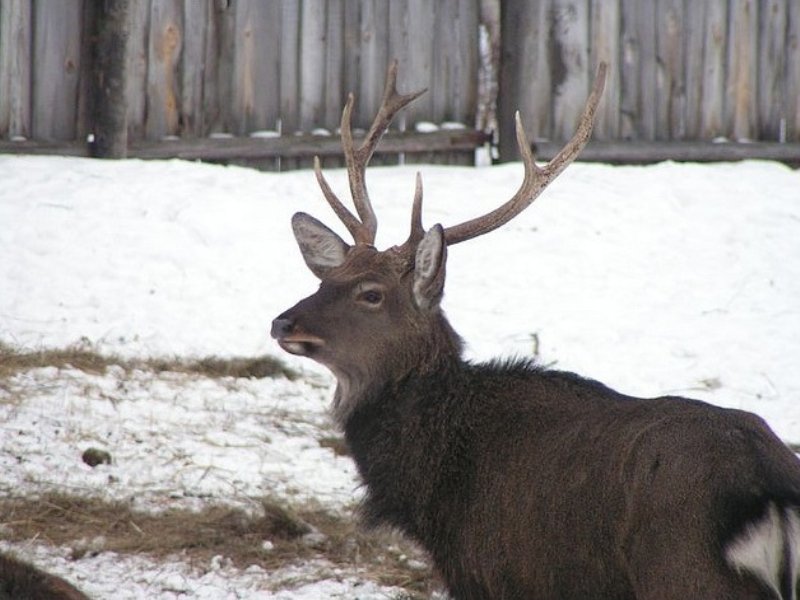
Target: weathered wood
(638,69)
(85,117)
(671,74)
(305,146)
(164,50)
(352,49)
(791,110)
(715,42)
(192,67)
(136,72)
(679,69)
(633,152)
(454,86)
(741,109)
(109,64)
(569,62)
(256,66)
(374,58)
(16,39)
(771,68)
(695,36)
(595,151)
(335,65)
(218,109)
(312,64)
(56,56)
(605,46)
(525,78)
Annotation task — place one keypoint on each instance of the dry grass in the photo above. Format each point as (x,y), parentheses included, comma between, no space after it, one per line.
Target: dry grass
(14,360)
(295,535)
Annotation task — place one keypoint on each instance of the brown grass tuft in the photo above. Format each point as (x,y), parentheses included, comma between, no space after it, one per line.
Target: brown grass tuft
(16,360)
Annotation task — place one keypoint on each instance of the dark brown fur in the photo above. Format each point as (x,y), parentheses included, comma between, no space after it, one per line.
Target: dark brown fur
(22,581)
(528,483)
(523,482)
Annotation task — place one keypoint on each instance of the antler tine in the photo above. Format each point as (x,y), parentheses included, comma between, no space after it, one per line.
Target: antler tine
(358,158)
(417,231)
(353,225)
(536,178)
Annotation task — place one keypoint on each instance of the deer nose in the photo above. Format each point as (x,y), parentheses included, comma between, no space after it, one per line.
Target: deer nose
(281,327)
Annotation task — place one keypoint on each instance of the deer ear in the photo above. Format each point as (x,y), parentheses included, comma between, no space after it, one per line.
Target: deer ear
(321,248)
(429,268)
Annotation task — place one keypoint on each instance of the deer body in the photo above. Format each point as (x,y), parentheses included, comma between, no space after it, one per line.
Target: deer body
(523,482)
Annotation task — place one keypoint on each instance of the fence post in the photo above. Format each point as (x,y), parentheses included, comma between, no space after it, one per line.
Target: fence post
(108,115)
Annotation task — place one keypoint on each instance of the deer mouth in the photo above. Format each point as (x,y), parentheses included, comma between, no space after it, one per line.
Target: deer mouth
(300,344)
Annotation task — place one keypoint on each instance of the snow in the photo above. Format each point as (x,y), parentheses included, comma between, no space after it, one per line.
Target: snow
(670,278)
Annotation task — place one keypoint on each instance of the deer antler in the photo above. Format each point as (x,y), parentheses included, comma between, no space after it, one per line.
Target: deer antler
(356,159)
(536,178)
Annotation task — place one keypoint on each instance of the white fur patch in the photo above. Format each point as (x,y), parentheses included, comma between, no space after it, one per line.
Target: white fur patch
(759,549)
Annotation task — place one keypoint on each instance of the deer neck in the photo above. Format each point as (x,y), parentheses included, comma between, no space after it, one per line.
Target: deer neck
(429,349)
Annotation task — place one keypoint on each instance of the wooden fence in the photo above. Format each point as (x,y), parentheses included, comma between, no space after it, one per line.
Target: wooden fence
(680,69)
(199,71)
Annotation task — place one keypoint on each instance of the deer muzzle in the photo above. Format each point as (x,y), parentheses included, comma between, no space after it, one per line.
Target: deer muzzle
(293,339)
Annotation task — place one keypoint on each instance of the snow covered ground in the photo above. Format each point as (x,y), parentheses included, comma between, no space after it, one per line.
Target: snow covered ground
(671,278)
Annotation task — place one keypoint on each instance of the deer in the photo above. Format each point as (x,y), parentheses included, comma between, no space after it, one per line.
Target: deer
(19,579)
(519,480)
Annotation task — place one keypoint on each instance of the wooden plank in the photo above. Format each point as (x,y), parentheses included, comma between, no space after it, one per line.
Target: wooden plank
(352,47)
(108,29)
(373,62)
(192,67)
(136,71)
(290,72)
(715,35)
(638,86)
(605,46)
(569,64)
(741,109)
(85,111)
(218,84)
(16,40)
(56,56)
(772,46)
(490,56)
(374,55)
(695,19)
(639,152)
(256,97)
(454,89)
(628,152)
(454,79)
(305,146)
(163,79)
(791,112)
(312,64)
(290,66)
(334,94)
(525,78)
(671,76)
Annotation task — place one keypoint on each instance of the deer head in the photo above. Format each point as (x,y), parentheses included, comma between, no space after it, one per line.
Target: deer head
(376,316)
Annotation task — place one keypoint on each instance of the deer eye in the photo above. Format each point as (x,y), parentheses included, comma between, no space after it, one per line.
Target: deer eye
(371,297)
